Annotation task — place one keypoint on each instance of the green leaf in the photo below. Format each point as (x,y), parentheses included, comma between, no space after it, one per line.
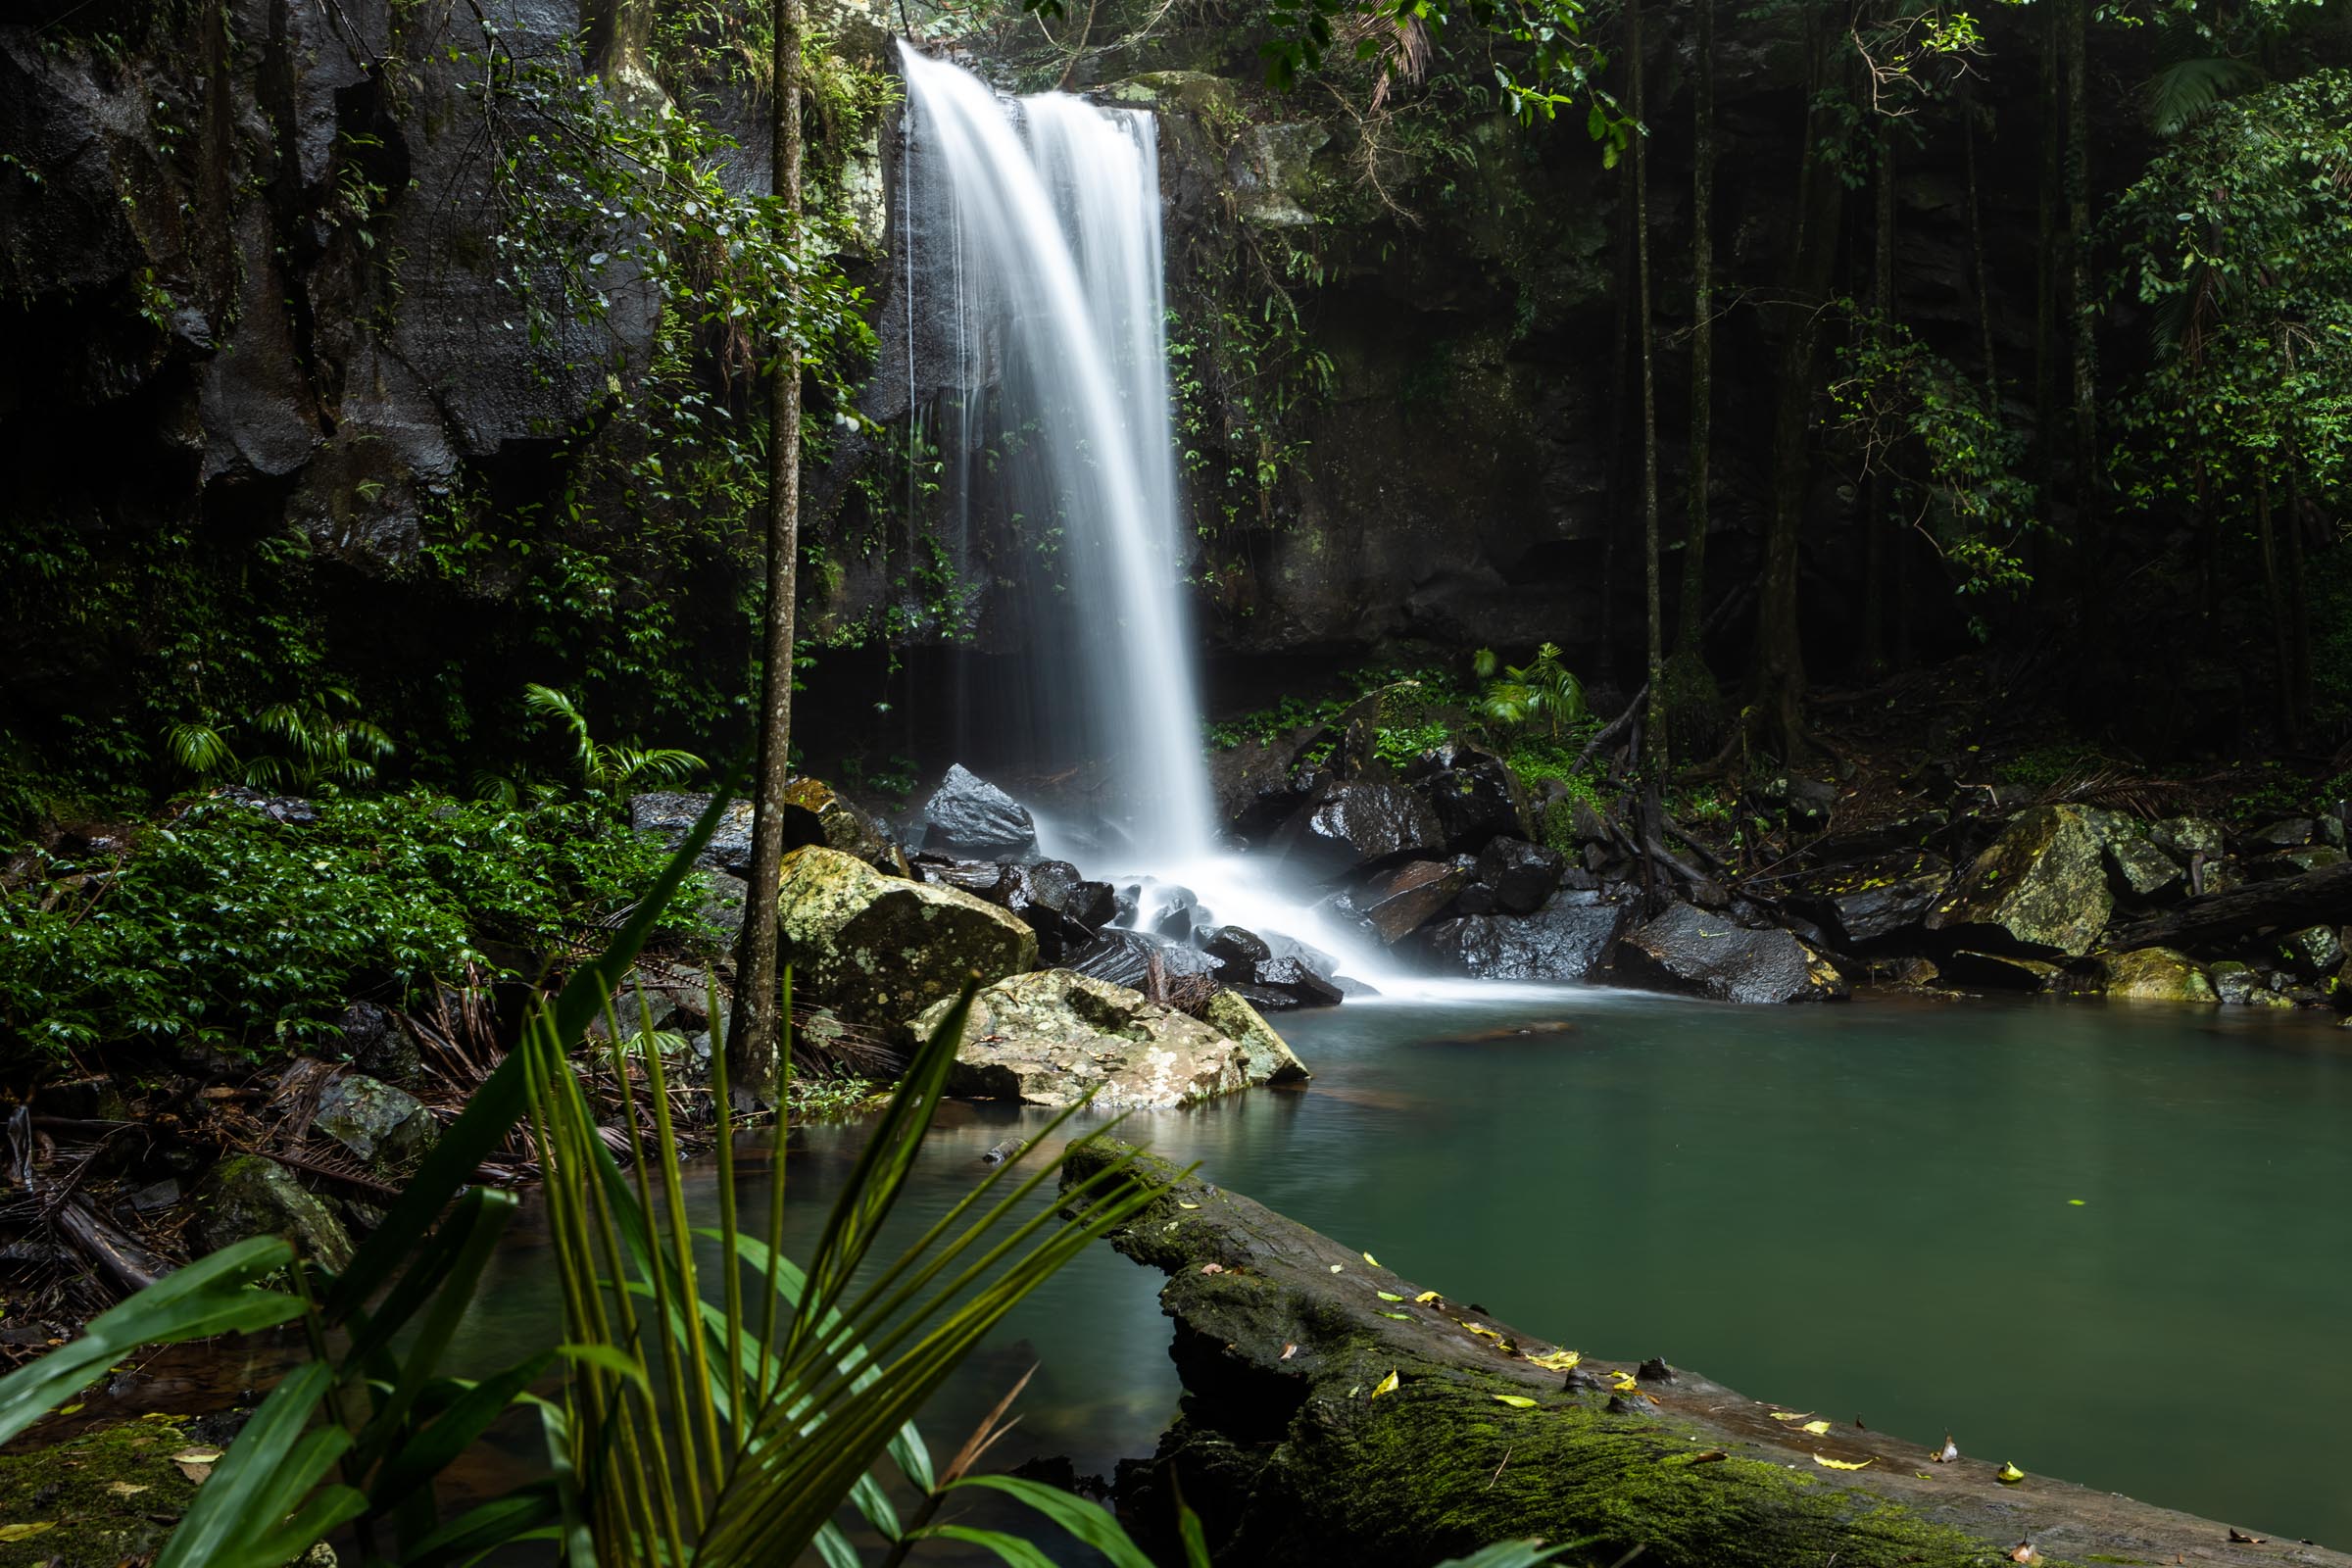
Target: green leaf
(236,1518)
(1512,1554)
(1009,1549)
(1090,1523)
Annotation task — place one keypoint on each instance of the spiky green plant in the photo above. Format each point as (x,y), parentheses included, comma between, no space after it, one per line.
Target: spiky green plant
(1544,691)
(608,769)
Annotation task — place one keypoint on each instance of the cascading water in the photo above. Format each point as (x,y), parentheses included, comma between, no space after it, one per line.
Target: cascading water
(1039,286)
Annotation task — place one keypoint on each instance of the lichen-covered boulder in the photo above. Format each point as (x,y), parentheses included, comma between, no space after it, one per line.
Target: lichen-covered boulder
(1270,1059)
(879,949)
(247,1196)
(1567,938)
(2241,985)
(2135,864)
(2039,889)
(2314,952)
(2157,975)
(1687,950)
(968,816)
(387,1128)
(2184,836)
(1046,1039)
(814,813)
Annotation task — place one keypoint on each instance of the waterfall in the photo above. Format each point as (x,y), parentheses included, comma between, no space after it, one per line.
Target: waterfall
(1047,283)
(1038,220)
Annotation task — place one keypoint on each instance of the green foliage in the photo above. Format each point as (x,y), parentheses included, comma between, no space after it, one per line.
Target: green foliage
(609,771)
(1542,693)
(1953,456)
(2045,767)
(224,928)
(2236,238)
(319,741)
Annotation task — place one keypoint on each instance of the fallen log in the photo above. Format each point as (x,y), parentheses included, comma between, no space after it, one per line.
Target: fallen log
(1336,1412)
(2324,894)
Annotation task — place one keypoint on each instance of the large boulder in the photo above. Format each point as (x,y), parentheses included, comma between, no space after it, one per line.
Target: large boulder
(1269,1058)
(1357,823)
(1884,898)
(1476,796)
(2041,889)
(2157,975)
(1395,902)
(2136,867)
(1567,938)
(879,949)
(247,1196)
(387,1128)
(667,816)
(1520,874)
(1294,982)
(1687,950)
(968,816)
(1122,958)
(1050,1038)
(1255,784)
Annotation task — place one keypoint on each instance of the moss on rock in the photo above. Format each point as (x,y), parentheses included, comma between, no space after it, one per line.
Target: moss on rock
(880,949)
(101,1499)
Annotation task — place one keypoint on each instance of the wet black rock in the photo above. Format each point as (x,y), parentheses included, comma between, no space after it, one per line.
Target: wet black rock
(1292,978)
(1236,950)
(1705,954)
(380,1044)
(667,816)
(2313,951)
(1394,904)
(1521,874)
(966,815)
(1253,785)
(1884,899)
(1126,959)
(1174,910)
(291,811)
(1474,794)
(1567,938)
(1349,826)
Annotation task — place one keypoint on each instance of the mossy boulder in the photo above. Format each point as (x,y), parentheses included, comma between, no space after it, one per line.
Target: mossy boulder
(2157,975)
(814,812)
(387,1128)
(879,949)
(94,1500)
(2041,889)
(1269,1058)
(248,1196)
(1048,1039)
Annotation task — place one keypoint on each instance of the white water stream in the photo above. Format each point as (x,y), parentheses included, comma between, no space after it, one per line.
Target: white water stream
(1038,265)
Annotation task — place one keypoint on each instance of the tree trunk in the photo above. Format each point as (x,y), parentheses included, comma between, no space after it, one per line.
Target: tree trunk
(1336,1412)
(1653,732)
(756,1024)
(2086,308)
(2295,901)
(1882,331)
(2298,602)
(2048,257)
(1776,715)
(2281,638)
(1702,335)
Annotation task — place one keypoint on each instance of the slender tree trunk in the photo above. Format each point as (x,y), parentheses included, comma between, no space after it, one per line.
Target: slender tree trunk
(1776,715)
(2298,599)
(1620,375)
(2085,309)
(1976,249)
(2282,639)
(1702,336)
(1882,331)
(1653,732)
(754,1027)
(2049,257)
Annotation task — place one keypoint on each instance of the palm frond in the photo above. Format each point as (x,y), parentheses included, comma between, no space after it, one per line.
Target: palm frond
(2186,90)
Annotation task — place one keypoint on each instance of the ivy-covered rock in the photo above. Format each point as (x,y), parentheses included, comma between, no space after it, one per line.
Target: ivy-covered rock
(1046,1039)
(880,949)
(247,1196)
(387,1128)
(1687,950)
(2157,975)
(2039,889)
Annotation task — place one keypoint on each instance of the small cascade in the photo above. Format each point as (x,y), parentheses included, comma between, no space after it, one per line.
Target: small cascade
(1036,305)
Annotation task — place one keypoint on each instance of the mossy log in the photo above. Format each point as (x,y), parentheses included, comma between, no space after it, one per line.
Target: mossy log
(2324,894)
(1292,1453)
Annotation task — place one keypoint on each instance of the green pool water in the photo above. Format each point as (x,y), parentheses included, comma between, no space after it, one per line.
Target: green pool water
(2110,1245)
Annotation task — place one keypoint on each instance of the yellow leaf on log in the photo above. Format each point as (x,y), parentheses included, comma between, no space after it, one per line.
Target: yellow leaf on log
(27,1529)
(1517,1401)
(1843,1464)
(1556,1361)
(1387,1385)
(1817,1428)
